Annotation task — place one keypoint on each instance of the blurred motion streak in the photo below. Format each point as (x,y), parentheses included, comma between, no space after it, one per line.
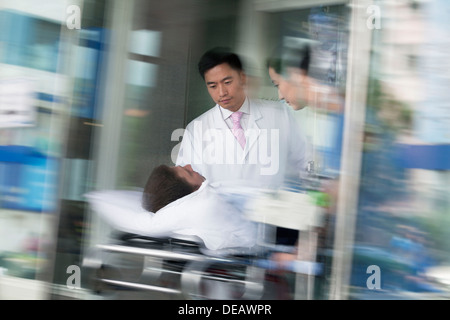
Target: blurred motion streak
(95,107)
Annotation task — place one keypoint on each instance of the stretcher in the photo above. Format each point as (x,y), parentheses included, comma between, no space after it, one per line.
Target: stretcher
(177,266)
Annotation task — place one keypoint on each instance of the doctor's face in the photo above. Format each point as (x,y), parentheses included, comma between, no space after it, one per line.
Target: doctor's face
(226,86)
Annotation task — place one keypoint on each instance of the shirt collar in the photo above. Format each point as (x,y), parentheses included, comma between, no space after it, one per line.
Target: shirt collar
(245,108)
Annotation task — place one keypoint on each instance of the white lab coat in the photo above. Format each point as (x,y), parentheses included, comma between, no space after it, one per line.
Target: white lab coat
(275,146)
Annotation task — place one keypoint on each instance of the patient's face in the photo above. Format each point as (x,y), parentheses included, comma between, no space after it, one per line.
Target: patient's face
(192,177)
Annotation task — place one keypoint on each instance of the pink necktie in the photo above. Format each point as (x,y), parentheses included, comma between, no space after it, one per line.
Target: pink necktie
(237,130)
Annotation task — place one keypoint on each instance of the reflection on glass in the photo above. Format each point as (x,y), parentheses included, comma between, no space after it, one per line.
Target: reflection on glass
(29,42)
(403,208)
(145,42)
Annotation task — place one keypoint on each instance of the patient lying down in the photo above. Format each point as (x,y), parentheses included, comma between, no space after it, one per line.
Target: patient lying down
(168,184)
(176,201)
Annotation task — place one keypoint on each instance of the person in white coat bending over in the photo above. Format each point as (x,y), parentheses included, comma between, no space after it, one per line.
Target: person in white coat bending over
(253,141)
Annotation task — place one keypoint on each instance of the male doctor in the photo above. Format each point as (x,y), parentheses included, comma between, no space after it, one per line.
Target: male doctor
(241,140)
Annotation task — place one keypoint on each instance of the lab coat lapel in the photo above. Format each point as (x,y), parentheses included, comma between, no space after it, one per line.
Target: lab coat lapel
(219,123)
(253,131)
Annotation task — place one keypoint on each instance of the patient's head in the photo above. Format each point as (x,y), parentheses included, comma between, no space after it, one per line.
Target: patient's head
(167,184)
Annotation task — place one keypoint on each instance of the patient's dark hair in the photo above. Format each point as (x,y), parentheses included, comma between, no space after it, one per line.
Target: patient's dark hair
(217,56)
(163,187)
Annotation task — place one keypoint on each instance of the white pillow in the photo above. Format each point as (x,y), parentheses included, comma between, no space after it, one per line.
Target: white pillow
(203,213)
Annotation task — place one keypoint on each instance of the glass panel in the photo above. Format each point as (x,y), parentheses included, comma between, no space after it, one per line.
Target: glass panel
(141,79)
(28,41)
(145,42)
(402,239)
(141,74)
(324,29)
(33,105)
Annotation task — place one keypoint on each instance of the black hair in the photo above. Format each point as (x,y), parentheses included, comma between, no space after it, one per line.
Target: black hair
(217,56)
(163,187)
(284,57)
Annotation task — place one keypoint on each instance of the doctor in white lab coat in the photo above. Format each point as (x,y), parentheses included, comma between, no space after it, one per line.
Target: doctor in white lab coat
(274,144)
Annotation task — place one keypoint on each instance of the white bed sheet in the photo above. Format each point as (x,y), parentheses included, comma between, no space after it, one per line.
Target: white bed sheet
(204,214)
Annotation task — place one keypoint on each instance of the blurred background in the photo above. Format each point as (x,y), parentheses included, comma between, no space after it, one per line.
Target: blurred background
(91,92)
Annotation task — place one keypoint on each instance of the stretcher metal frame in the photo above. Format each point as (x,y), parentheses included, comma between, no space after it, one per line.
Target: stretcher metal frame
(237,275)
